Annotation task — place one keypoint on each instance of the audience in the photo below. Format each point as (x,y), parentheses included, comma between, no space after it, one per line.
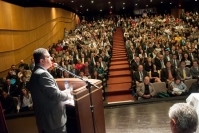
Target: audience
(184,118)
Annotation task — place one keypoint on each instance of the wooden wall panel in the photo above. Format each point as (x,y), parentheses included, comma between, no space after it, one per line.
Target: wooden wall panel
(22,30)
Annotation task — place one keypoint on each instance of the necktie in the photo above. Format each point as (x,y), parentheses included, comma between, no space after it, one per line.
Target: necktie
(141,76)
(9,89)
(175,64)
(184,74)
(162,63)
(169,74)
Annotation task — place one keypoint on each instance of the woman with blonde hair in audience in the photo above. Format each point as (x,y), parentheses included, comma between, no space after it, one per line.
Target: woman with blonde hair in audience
(25,102)
(154,74)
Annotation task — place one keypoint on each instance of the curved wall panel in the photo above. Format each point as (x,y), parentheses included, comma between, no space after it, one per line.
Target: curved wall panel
(22,30)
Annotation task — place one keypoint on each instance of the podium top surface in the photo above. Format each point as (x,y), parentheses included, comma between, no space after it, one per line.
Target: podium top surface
(77,84)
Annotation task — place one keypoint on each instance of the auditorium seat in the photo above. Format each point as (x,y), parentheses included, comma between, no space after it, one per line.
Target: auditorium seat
(189,82)
(160,87)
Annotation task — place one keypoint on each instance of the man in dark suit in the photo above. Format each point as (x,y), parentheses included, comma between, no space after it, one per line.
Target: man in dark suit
(175,62)
(183,72)
(23,65)
(168,74)
(136,64)
(159,62)
(47,98)
(23,83)
(194,70)
(139,75)
(167,56)
(11,89)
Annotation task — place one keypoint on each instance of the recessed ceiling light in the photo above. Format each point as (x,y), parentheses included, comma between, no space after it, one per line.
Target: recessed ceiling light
(100,10)
(80,5)
(72,1)
(109,2)
(111,7)
(86,9)
(161,2)
(147,5)
(136,4)
(123,3)
(123,7)
(195,0)
(170,3)
(92,1)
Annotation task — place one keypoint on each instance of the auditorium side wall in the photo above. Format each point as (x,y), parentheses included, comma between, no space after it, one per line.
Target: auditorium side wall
(24,29)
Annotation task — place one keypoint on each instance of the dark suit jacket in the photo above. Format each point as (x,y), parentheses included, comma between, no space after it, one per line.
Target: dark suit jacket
(136,76)
(22,85)
(165,76)
(135,66)
(194,72)
(13,90)
(48,100)
(177,63)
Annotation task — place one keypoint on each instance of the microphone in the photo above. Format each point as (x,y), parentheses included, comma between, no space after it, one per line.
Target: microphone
(63,69)
(55,65)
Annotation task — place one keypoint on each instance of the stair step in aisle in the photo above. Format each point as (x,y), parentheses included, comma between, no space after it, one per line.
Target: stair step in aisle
(119,81)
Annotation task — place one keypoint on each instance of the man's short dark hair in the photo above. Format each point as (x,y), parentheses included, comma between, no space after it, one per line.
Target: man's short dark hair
(39,54)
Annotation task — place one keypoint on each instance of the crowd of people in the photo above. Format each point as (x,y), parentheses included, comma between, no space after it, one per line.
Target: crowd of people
(159,49)
(165,49)
(85,51)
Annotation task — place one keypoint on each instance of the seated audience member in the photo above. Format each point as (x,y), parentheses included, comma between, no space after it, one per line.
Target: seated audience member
(139,75)
(79,65)
(14,70)
(159,62)
(194,87)
(145,90)
(7,103)
(168,73)
(32,64)
(67,66)
(74,70)
(66,74)
(187,60)
(95,75)
(11,89)
(25,102)
(136,64)
(23,65)
(99,69)
(175,62)
(12,77)
(81,74)
(23,83)
(184,118)
(194,70)
(177,87)
(87,69)
(154,75)
(148,66)
(183,72)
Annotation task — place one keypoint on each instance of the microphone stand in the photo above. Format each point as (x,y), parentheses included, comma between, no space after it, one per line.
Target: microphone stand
(88,86)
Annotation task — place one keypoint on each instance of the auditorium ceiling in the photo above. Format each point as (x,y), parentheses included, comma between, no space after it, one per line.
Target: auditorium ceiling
(108,6)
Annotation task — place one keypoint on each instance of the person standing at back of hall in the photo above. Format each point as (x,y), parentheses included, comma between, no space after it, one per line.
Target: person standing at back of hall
(47,98)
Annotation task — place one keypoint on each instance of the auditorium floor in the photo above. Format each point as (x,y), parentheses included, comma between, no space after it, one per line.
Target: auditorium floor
(139,118)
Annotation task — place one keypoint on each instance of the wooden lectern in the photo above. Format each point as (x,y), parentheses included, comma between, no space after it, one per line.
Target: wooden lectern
(79,117)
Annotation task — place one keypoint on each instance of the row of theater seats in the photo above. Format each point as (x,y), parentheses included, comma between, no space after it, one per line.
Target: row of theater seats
(161,86)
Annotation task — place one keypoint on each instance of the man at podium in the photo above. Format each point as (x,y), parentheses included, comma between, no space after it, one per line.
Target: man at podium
(48,100)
